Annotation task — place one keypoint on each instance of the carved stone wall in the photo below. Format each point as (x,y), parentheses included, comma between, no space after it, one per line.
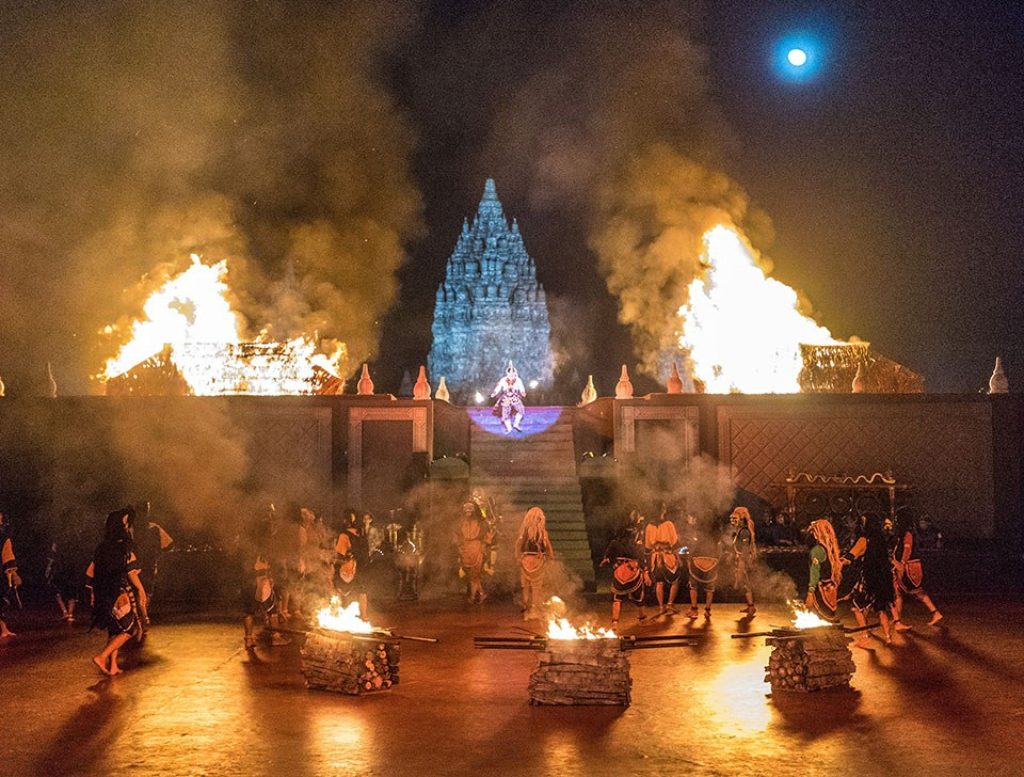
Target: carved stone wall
(291,449)
(942,450)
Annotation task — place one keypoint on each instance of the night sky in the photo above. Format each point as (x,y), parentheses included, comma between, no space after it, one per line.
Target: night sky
(893,177)
(351,139)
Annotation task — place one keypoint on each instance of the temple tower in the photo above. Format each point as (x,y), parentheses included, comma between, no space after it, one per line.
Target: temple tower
(490,308)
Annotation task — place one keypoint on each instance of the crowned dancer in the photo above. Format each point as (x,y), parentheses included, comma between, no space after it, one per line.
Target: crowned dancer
(510,393)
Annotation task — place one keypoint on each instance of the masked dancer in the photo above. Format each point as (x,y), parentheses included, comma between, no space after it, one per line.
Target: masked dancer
(909,573)
(351,558)
(626,555)
(661,540)
(703,552)
(874,590)
(744,550)
(118,596)
(826,570)
(473,540)
(510,392)
(533,549)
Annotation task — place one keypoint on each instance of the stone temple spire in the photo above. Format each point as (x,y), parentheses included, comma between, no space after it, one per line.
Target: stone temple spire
(490,307)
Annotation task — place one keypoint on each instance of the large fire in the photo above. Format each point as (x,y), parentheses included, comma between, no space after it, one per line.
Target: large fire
(741,329)
(334,617)
(560,628)
(190,319)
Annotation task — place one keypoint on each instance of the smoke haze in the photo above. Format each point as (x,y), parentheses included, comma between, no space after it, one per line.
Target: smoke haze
(136,134)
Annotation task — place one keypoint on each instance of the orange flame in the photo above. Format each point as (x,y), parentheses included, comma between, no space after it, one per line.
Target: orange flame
(741,329)
(807,619)
(191,317)
(334,617)
(560,628)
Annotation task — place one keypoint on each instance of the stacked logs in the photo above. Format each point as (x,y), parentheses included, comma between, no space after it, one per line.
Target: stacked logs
(350,663)
(810,660)
(582,672)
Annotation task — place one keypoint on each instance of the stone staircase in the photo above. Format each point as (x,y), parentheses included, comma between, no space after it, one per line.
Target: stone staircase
(534,467)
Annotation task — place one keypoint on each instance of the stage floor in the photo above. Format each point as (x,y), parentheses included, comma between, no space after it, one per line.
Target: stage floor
(938,702)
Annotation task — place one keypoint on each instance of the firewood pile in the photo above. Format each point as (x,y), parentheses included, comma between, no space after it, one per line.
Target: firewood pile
(810,660)
(350,663)
(582,672)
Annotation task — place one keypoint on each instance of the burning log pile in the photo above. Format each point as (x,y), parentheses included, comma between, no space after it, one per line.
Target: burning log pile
(582,666)
(582,672)
(810,655)
(809,661)
(350,663)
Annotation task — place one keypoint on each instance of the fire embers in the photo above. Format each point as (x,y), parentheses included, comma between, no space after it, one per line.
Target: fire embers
(582,672)
(819,658)
(355,665)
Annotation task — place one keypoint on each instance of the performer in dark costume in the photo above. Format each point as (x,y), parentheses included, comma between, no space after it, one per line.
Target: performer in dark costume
(492,523)
(826,570)
(744,550)
(473,540)
(626,555)
(151,541)
(662,541)
(874,589)
(118,596)
(64,563)
(703,552)
(909,573)
(10,581)
(510,392)
(351,560)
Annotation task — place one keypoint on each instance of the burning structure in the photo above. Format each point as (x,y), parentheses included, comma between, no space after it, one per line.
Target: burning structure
(490,307)
(742,331)
(189,342)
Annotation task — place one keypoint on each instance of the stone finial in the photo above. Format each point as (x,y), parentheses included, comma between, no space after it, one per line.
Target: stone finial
(589,392)
(675,383)
(51,384)
(998,383)
(442,391)
(422,389)
(364,387)
(624,389)
(857,387)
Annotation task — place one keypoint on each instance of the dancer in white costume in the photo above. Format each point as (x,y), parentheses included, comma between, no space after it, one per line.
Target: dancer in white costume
(510,393)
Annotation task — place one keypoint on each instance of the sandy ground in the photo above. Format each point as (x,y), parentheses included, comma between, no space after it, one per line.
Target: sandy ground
(938,702)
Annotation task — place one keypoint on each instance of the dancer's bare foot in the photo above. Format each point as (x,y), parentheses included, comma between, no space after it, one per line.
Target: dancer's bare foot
(936,617)
(864,643)
(901,626)
(5,633)
(101,665)
(116,670)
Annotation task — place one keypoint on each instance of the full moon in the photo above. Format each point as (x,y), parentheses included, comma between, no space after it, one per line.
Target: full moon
(797,57)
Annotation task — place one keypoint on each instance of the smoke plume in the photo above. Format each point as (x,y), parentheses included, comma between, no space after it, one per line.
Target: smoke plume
(257,132)
(616,120)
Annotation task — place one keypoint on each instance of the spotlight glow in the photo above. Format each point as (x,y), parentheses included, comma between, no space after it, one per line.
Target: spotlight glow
(797,57)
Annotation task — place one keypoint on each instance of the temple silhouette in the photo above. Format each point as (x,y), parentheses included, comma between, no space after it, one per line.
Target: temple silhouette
(490,308)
